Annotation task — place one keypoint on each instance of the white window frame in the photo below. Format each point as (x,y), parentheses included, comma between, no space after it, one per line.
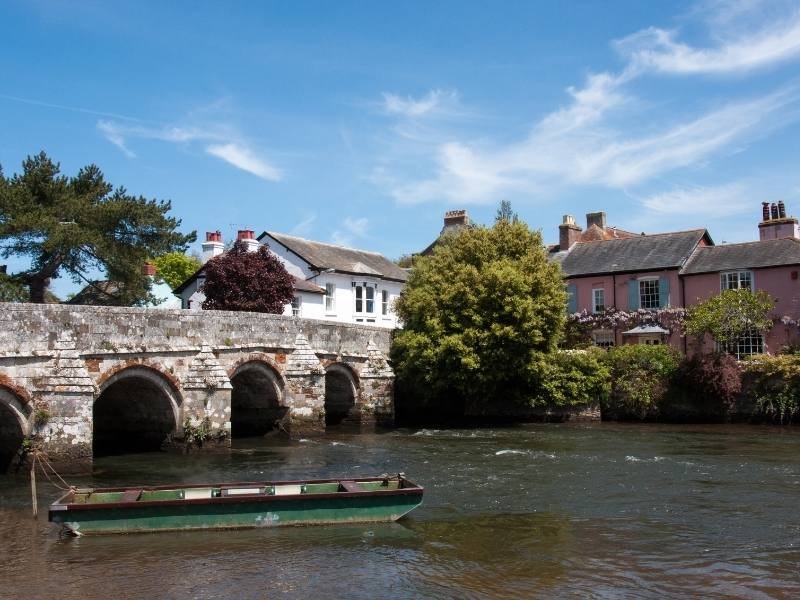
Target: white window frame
(385,299)
(604,338)
(297,305)
(655,339)
(595,305)
(361,293)
(749,344)
(643,280)
(330,298)
(726,277)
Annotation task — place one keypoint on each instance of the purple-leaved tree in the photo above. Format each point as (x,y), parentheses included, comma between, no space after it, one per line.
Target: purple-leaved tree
(250,281)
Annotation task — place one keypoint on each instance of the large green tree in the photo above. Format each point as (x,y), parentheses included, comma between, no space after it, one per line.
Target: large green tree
(79,225)
(478,316)
(176,267)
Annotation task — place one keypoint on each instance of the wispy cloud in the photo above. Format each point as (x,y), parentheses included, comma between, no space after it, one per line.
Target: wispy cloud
(226,144)
(603,135)
(244,159)
(659,50)
(701,201)
(435,102)
(353,228)
(303,228)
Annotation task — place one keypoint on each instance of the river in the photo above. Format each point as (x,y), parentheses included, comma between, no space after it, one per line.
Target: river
(536,511)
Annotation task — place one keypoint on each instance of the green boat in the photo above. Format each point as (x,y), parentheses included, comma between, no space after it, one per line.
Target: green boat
(235,505)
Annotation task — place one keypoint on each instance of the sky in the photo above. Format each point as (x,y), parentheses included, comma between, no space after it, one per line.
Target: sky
(361,123)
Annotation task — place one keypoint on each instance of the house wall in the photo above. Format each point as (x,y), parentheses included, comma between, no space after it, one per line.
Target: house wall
(618,285)
(776,281)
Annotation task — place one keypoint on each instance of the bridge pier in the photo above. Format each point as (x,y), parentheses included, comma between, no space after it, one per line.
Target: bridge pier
(71,373)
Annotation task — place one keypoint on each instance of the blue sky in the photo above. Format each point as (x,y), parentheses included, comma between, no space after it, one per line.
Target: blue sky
(362,122)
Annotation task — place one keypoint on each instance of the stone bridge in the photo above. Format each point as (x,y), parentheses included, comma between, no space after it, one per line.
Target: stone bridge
(83,381)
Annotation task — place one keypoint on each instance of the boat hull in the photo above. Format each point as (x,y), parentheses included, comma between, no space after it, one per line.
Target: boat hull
(236,513)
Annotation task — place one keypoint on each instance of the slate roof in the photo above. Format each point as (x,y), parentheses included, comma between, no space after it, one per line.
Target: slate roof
(642,253)
(299,284)
(101,292)
(749,255)
(344,260)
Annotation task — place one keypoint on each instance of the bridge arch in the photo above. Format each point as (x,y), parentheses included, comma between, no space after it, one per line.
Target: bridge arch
(15,423)
(342,390)
(258,404)
(136,409)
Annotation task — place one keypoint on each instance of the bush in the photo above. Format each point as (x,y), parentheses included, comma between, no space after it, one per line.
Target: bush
(572,378)
(774,385)
(711,383)
(641,376)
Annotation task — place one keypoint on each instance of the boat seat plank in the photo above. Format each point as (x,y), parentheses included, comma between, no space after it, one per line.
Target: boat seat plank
(350,486)
(130,496)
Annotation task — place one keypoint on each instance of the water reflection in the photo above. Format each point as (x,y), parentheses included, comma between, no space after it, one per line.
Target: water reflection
(528,512)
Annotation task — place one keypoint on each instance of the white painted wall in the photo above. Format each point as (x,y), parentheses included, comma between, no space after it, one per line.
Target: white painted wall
(313,306)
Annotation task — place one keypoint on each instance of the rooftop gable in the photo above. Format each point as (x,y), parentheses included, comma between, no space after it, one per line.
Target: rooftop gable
(748,255)
(641,253)
(321,256)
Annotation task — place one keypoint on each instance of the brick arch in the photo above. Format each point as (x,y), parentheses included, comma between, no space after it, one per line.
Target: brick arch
(20,407)
(342,394)
(348,370)
(17,390)
(259,357)
(102,380)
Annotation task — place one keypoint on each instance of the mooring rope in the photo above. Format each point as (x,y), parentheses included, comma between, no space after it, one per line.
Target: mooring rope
(45,463)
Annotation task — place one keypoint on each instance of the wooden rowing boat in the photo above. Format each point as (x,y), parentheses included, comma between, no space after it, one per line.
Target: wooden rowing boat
(235,505)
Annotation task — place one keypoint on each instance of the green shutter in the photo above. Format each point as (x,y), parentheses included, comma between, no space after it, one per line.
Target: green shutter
(633,294)
(572,300)
(663,292)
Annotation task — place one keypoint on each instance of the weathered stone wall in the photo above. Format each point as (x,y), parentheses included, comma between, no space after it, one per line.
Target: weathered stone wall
(56,361)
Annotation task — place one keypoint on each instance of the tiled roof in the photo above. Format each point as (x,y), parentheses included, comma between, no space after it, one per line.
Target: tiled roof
(345,260)
(750,255)
(101,292)
(641,253)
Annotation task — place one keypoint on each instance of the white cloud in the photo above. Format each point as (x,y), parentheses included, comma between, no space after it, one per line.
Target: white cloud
(303,228)
(604,135)
(242,158)
(742,50)
(353,228)
(227,147)
(702,201)
(434,102)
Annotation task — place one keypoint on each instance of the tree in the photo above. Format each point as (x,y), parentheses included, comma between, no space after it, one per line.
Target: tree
(75,225)
(505,213)
(729,316)
(176,267)
(250,281)
(478,314)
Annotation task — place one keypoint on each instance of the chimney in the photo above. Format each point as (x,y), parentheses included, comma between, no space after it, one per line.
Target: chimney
(248,237)
(213,245)
(596,218)
(775,224)
(568,233)
(455,220)
(149,269)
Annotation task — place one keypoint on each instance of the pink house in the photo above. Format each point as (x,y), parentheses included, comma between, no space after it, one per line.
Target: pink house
(674,270)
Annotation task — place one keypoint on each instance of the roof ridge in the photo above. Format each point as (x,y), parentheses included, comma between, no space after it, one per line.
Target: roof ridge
(637,236)
(297,237)
(753,242)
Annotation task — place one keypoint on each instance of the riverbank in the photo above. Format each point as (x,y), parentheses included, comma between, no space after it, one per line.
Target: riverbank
(550,511)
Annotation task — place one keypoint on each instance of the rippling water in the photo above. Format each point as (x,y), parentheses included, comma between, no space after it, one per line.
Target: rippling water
(540,511)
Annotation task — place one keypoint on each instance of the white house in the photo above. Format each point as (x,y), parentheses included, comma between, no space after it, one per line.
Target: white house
(331,282)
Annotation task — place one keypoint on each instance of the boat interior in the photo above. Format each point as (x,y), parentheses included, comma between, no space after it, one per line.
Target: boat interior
(90,496)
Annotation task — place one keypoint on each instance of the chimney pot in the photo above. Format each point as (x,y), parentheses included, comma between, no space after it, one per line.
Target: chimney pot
(774,209)
(246,234)
(149,269)
(781,209)
(765,211)
(213,236)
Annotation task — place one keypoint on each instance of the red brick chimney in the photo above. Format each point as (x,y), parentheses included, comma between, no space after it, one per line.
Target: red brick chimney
(149,269)
(248,237)
(775,224)
(568,233)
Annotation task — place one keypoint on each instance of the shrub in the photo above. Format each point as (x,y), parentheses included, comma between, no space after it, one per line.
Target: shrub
(774,385)
(572,378)
(641,376)
(710,382)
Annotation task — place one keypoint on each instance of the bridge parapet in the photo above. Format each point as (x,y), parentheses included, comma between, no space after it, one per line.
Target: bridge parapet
(60,359)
